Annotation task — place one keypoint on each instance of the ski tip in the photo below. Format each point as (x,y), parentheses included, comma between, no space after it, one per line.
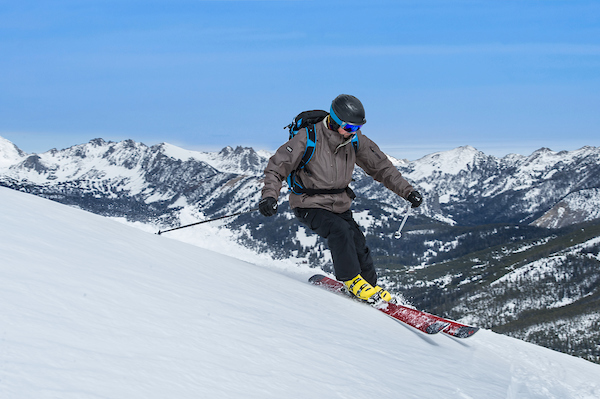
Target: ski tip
(316,278)
(465,332)
(436,327)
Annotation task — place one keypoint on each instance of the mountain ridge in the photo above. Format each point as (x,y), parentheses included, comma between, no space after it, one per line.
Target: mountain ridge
(460,182)
(483,217)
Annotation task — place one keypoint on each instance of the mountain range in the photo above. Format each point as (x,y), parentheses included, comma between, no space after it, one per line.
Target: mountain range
(508,243)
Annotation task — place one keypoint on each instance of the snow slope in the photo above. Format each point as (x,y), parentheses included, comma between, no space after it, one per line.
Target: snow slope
(92,308)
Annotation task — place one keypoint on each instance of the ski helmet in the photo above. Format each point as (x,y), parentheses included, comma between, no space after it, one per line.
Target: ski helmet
(348,109)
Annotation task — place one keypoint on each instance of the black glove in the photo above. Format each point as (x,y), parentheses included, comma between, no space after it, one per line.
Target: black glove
(268,206)
(415,199)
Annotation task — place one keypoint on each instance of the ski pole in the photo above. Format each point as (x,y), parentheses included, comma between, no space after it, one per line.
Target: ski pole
(206,221)
(398,234)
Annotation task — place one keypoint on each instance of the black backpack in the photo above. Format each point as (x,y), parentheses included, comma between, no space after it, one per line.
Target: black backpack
(308,119)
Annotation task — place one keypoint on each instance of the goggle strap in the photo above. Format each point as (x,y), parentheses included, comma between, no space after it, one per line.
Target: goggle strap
(343,124)
(336,119)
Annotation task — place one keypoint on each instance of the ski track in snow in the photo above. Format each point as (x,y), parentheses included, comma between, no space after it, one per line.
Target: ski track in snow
(92,308)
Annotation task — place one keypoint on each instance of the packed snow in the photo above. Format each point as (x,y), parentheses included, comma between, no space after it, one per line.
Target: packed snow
(93,308)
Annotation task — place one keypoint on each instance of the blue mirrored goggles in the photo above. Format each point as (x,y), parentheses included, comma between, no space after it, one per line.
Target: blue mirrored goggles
(350,128)
(346,126)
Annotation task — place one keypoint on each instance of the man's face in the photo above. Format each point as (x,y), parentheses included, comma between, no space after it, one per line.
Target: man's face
(344,133)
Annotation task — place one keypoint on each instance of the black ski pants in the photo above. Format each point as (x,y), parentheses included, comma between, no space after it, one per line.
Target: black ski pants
(345,240)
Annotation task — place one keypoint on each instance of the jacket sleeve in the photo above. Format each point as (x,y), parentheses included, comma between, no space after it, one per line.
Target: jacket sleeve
(377,165)
(282,163)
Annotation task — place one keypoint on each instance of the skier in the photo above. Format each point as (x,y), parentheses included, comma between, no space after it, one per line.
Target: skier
(326,209)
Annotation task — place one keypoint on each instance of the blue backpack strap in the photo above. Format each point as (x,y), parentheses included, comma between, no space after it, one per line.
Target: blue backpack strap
(355,143)
(311,142)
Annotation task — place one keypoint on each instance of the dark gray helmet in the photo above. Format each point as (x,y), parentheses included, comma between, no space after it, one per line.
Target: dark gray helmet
(349,109)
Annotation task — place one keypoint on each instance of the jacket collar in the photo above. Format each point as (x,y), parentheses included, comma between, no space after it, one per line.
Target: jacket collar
(335,139)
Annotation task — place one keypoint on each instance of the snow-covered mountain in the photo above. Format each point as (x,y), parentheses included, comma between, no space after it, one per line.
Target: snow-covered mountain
(483,218)
(94,308)
(168,186)
(474,188)
(133,180)
(583,205)
(461,186)
(10,154)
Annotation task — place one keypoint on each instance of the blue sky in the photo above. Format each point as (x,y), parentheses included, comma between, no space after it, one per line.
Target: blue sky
(502,76)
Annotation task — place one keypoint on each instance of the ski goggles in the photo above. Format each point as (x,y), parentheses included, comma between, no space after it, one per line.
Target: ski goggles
(350,128)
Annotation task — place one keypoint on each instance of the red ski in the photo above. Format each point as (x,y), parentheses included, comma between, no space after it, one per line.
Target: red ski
(422,321)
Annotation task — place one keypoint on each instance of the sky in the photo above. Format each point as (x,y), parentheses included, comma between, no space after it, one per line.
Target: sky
(502,76)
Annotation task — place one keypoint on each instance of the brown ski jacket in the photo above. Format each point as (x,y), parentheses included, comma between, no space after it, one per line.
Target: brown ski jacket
(331,167)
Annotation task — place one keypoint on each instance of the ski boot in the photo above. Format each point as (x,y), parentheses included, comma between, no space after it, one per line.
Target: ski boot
(364,291)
